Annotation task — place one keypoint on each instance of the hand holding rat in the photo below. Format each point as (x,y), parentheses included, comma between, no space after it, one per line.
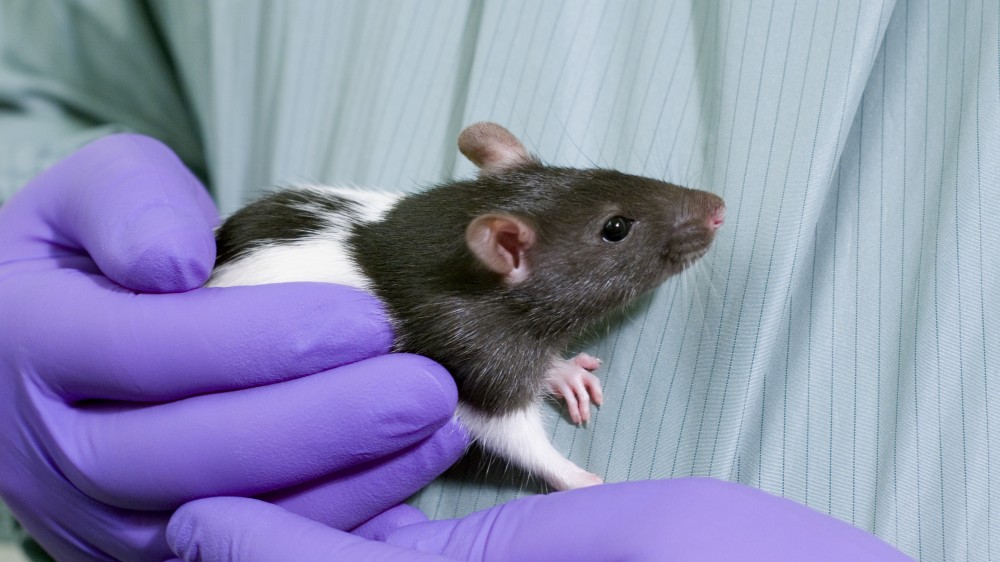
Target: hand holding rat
(117,405)
(685,519)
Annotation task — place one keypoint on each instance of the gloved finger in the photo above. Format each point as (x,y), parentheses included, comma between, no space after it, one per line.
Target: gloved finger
(346,499)
(124,346)
(129,202)
(247,442)
(685,519)
(73,526)
(380,527)
(246,530)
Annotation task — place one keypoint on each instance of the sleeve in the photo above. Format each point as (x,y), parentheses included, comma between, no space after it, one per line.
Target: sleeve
(74,71)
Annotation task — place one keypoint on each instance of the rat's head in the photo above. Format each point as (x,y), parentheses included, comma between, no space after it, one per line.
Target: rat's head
(589,239)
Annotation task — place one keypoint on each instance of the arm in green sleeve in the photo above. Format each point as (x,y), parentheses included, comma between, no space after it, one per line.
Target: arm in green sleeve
(71,72)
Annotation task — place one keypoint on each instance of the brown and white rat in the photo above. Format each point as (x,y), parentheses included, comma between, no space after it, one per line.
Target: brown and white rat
(491,277)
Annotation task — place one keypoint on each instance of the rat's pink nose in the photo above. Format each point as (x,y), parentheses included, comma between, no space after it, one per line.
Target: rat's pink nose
(718,217)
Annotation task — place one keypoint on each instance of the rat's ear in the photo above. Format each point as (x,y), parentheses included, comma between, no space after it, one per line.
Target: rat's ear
(499,242)
(493,148)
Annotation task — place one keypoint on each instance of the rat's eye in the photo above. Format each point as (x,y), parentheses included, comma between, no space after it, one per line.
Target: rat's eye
(616,229)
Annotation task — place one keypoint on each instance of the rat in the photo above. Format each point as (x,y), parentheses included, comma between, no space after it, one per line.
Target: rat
(492,277)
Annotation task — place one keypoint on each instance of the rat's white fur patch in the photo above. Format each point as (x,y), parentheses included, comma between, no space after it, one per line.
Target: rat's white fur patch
(317,259)
(371,204)
(520,437)
(321,257)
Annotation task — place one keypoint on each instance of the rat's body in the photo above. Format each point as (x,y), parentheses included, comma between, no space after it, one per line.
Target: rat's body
(490,277)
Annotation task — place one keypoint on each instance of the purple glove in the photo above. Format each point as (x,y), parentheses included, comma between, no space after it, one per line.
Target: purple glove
(685,519)
(117,405)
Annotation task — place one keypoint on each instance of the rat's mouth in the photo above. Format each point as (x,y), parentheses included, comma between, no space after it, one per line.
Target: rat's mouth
(686,252)
(676,266)
(683,250)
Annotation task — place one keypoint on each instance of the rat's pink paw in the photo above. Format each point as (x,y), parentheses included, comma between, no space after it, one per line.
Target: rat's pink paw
(572,379)
(586,361)
(579,478)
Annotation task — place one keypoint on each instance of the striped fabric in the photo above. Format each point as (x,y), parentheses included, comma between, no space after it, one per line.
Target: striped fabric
(839,346)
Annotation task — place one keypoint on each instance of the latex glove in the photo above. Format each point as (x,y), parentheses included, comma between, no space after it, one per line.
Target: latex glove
(685,519)
(117,405)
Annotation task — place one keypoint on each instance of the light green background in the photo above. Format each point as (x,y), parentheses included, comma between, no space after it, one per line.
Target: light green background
(838,346)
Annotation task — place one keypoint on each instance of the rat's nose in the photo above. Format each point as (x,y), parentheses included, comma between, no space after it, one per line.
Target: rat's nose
(717,217)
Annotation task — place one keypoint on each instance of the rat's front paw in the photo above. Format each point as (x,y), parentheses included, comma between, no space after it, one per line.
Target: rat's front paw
(573,380)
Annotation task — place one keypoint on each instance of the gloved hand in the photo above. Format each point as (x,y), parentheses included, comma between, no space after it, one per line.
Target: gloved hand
(117,404)
(658,520)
